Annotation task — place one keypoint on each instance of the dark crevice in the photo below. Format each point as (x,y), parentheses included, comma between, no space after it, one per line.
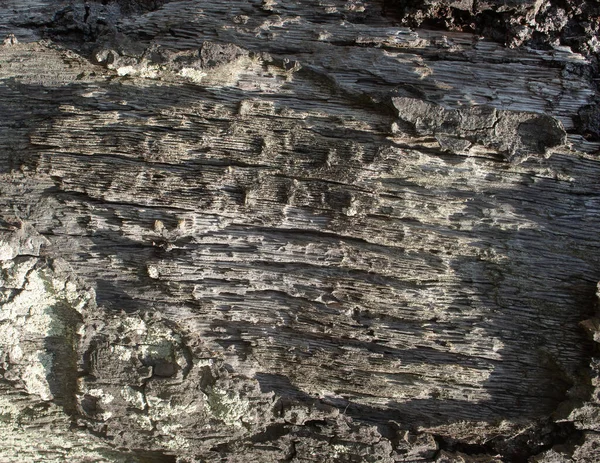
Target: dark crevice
(148,456)
(520,448)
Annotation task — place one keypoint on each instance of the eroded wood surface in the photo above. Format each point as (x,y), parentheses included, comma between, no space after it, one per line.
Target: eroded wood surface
(291,231)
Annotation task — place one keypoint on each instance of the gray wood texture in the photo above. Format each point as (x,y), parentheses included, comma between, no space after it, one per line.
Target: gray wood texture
(292,231)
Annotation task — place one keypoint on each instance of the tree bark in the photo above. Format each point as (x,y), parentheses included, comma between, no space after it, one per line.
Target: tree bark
(298,231)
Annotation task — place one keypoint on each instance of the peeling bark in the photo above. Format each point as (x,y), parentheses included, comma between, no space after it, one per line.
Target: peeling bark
(295,231)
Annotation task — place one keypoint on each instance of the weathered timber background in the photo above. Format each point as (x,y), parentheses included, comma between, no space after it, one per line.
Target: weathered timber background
(255,231)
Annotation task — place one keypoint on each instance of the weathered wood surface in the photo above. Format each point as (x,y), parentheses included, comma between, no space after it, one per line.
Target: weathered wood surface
(291,231)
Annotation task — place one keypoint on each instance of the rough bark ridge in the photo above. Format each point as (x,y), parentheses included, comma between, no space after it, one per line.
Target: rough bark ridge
(296,231)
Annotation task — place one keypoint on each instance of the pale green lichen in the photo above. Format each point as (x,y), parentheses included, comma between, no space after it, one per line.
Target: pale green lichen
(165,410)
(134,324)
(23,441)
(228,406)
(124,353)
(9,411)
(165,416)
(156,349)
(133,398)
(339,450)
(13,274)
(26,319)
(160,343)
(35,374)
(194,75)
(41,309)
(7,251)
(138,70)
(177,441)
(104,398)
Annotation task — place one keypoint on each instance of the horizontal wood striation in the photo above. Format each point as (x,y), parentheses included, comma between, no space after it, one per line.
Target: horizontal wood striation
(325,237)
